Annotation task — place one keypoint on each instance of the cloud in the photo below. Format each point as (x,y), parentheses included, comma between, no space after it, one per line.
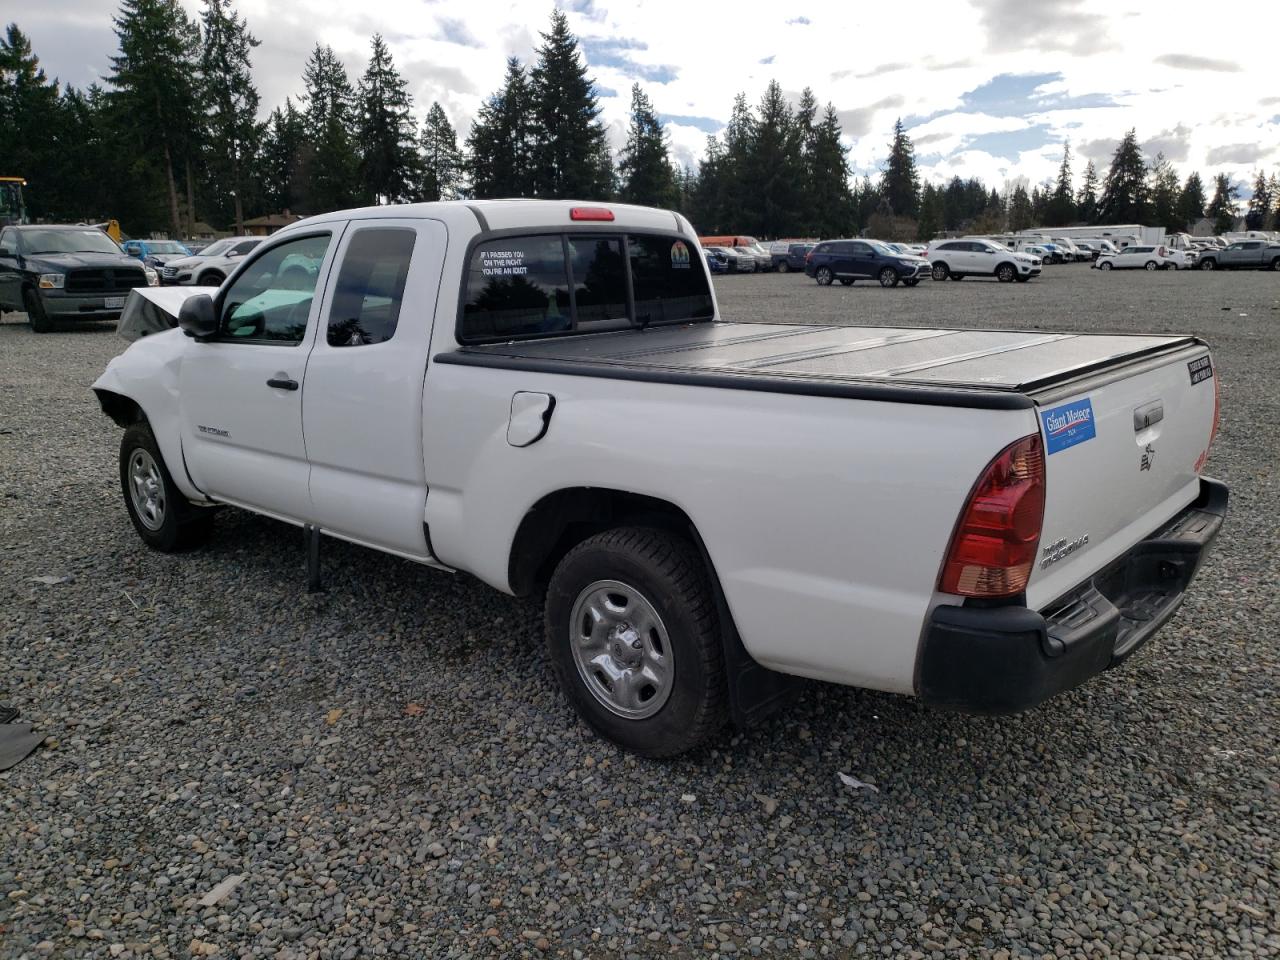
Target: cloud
(857,122)
(1061,26)
(1175,144)
(873,72)
(1188,61)
(799,21)
(608,52)
(705,124)
(1235,153)
(455,31)
(769,59)
(1099,151)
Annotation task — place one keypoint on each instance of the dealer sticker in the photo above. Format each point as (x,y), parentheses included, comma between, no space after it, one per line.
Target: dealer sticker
(1201,369)
(1068,425)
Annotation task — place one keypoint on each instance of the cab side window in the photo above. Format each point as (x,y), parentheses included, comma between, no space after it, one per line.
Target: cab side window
(370,288)
(271,299)
(8,243)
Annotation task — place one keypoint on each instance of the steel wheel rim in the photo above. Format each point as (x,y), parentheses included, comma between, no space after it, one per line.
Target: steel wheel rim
(146,489)
(621,649)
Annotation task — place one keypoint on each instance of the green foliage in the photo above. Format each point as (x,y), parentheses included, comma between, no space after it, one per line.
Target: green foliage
(931,213)
(500,146)
(1162,189)
(284,153)
(1087,199)
(1191,200)
(333,165)
(1021,210)
(232,132)
(1260,203)
(1223,208)
(645,165)
(441,162)
(29,104)
(1124,192)
(900,183)
(1061,208)
(388,151)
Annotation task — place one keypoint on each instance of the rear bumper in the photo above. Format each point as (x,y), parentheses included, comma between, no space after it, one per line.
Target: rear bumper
(1010,658)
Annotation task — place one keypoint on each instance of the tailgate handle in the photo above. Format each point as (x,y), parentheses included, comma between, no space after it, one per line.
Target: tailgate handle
(1147,415)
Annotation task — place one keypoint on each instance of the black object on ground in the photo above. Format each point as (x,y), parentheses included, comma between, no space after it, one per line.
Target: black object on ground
(16,741)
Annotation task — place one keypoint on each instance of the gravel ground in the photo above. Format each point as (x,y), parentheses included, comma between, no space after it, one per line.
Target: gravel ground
(386,770)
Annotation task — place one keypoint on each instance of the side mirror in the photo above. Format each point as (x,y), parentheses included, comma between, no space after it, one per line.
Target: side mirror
(196,317)
(233,253)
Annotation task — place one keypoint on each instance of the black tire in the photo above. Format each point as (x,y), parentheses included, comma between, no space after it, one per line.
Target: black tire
(1275,264)
(909,283)
(36,317)
(784,267)
(957,277)
(1151,265)
(824,276)
(181,525)
(941,271)
(667,571)
(210,278)
(1006,273)
(846,281)
(1209,264)
(888,277)
(1105,265)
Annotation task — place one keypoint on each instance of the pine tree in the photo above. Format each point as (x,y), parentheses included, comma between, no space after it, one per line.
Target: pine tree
(1163,192)
(900,184)
(1124,192)
(1191,200)
(333,165)
(154,98)
(30,110)
(233,132)
(388,161)
(833,205)
(1040,204)
(284,153)
(1021,210)
(1223,207)
(567,150)
(868,201)
(500,145)
(1275,192)
(931,213)
(1062,206)
(774,167)
(441,160)
(806,125)
(1087,199)
(1259,204)
(704,211)
(645,166)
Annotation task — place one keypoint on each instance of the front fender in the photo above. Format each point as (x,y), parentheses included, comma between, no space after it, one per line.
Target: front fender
(145,376)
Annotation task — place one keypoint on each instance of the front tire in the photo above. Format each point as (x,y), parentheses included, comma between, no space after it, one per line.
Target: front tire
(36,316)
(784,267)
(211,278)
(164,518)
(1152,265)
(1105,265)
(634,639)
(1006,273)
(824,276)
(888,277)
(1275,264)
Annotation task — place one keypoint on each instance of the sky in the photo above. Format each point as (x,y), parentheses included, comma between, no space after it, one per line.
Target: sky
(986,88)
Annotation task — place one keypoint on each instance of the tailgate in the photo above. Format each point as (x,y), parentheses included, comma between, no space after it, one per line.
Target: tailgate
(1123,454)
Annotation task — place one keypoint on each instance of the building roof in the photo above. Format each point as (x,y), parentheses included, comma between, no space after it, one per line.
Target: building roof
(272,220)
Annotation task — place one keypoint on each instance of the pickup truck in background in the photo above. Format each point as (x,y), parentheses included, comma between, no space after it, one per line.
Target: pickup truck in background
(544,394)
(1242,255)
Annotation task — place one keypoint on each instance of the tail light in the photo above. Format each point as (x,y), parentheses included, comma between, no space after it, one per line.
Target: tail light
(1217,409)
(1163,252)
(590,214)
(994,545)
(808,256)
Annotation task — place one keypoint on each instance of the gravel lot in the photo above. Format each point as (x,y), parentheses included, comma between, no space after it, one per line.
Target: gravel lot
(389,770)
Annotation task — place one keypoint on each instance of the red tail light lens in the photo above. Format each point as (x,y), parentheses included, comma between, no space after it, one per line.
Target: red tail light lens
(994,546)
(590,213)
(1217,409)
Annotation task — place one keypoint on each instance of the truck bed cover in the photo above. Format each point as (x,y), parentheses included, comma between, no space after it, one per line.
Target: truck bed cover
(1000,369)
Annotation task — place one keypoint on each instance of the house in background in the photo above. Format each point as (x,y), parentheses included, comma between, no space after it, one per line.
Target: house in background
(267,225)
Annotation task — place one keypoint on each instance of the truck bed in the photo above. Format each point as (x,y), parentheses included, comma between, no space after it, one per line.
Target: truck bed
(999,369)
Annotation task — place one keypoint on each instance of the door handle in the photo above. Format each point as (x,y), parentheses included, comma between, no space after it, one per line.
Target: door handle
(282,383)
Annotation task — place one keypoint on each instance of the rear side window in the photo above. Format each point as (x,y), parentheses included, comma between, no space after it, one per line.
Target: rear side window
(670,285)
(516,287)
(370,290)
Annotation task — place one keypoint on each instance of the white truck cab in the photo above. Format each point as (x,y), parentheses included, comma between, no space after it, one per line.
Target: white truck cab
(544,394)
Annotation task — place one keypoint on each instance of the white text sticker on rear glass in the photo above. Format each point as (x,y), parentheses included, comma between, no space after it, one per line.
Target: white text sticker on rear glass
(503,263)
(1201,369)
(1067,425)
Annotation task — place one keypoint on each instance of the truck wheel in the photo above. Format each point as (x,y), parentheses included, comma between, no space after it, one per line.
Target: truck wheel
(824,276)
(36,316)
(888,277)
(1208,264)
(941,271)
(211,279)
(1006,273)
(163,517)
(846,282)
(634,640)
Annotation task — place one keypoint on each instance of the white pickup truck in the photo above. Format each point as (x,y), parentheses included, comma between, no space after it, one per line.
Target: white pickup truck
(544,394)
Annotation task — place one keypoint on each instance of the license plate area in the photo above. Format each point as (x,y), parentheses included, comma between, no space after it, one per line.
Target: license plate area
(113,303)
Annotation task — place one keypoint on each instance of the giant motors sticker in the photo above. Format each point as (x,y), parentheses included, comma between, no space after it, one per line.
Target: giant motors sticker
(1067,425)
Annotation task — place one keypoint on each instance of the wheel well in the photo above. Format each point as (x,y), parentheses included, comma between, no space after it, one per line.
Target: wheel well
(561,520)
(1007,263)
(123,410)
(211,273)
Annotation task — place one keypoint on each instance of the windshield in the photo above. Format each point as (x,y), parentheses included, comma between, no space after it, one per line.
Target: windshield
(166,246)
(88,240)
(215,248)
(884,249)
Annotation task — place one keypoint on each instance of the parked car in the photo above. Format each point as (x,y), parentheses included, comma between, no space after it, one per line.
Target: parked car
(1070,249)
(980,257)
(58,273)
(212,265)
(717,259)
(156,253)
(790,256)
(736,262)
(764,260)
(1243,255)
(851,260)
(761,256)
(1139,257)
(959,515)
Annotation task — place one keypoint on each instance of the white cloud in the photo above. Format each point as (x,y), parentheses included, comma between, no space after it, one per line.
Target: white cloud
(693,57)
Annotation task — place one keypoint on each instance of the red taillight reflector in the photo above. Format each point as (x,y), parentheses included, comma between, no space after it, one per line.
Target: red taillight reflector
(994,545)
(590,213)
(1217,410)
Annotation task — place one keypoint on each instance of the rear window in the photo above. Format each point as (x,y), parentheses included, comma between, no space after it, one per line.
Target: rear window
(545,285)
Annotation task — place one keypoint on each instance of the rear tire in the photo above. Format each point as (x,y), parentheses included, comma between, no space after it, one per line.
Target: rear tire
(941,271)
(164,518)
(824,276)
(634,640)
(1275,264)
(36,317)
(888,277)
(784,267)
(1208,264)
